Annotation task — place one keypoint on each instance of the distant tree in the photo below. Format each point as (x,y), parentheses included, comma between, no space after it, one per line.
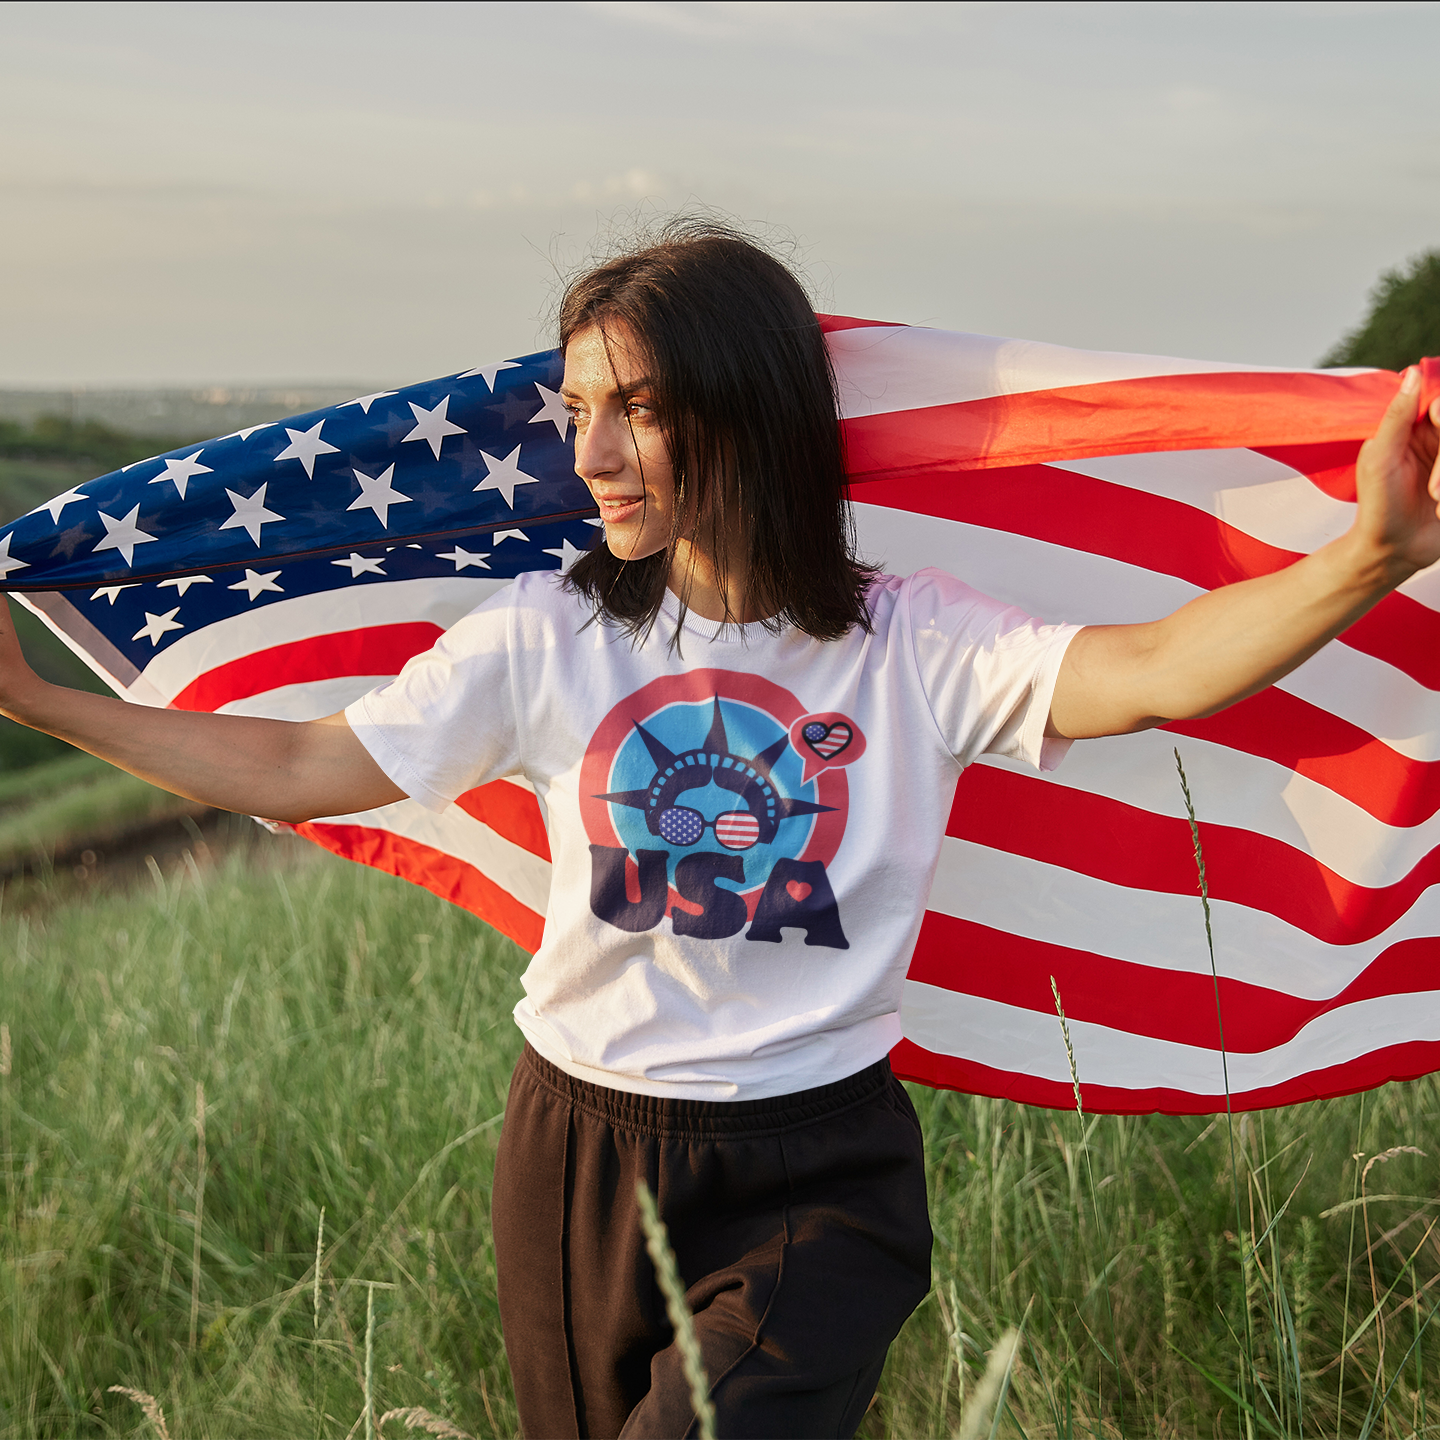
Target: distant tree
(1404,320)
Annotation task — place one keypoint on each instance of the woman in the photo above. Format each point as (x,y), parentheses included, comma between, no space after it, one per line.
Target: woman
(745,742)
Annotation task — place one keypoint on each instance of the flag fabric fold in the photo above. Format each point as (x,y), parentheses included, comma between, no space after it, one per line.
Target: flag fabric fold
(284,569)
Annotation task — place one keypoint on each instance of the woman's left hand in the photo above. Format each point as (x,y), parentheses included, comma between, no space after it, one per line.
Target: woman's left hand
(1397,482)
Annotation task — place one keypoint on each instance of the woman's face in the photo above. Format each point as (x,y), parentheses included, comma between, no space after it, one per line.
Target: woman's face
(619,451)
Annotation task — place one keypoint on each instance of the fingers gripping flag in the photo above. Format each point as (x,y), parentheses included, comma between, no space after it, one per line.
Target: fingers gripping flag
(285,569)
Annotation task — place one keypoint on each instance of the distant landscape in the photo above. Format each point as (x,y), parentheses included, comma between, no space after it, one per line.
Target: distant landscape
(174,415)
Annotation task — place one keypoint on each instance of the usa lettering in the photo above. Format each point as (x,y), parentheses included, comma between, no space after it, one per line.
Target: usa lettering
(797,896)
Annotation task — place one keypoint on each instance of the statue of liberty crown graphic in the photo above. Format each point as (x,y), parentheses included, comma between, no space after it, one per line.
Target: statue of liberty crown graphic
(712,762)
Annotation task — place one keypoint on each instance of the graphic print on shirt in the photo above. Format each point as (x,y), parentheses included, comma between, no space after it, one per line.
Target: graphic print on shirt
(714,798)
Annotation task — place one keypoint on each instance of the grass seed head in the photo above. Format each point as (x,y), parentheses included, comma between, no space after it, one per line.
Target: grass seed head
(417,1417)
(149,1404)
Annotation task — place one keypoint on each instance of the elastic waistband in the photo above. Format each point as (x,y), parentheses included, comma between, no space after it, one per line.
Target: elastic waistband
(664,1115)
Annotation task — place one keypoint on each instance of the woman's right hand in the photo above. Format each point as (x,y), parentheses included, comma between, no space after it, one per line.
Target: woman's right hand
(282,769)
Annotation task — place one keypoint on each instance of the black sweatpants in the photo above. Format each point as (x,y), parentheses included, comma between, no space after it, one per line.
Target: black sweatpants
(800,1229)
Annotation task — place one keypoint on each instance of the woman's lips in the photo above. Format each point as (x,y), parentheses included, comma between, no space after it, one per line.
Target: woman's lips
(620,509)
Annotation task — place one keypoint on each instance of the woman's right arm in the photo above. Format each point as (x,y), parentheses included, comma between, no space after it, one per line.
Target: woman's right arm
(281,769)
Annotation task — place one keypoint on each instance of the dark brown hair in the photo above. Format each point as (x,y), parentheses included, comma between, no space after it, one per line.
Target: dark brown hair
(745,401)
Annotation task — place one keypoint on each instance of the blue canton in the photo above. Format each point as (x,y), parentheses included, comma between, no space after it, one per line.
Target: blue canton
(471,455)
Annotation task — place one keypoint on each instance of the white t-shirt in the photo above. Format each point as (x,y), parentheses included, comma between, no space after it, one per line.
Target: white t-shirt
(744,829)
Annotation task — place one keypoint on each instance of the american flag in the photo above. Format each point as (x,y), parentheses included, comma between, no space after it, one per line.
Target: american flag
(284,569)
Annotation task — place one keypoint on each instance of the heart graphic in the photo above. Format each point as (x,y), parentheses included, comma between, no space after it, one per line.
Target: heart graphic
(798,891)
(827,741)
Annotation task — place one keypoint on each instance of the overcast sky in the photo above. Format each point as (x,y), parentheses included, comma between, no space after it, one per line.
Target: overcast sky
(337,191)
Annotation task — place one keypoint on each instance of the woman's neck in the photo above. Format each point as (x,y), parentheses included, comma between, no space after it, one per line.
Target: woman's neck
(695,577)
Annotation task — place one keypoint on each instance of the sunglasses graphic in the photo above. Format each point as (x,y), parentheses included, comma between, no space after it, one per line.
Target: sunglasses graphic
(734,829)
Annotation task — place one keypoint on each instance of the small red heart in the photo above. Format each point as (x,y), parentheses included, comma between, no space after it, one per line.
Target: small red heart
(797,890)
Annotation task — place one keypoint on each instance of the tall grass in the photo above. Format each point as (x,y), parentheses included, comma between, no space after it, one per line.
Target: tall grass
(353,1043)
(353,1040)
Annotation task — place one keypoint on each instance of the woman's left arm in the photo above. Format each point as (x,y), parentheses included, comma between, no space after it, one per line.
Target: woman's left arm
(1228,644)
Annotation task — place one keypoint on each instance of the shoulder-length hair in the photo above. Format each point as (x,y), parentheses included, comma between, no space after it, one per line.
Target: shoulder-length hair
(746,403)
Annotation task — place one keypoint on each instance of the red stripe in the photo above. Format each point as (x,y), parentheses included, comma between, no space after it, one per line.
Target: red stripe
(1172,1005)
(449,878)
(372,650)
(1124,845)
(1407,1061)
(1330,467)
(1221,410)
(1279,726)
(830,323)
(1152,532)
(511,811)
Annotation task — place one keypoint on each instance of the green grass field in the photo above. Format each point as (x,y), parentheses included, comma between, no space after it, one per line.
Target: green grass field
(352,1038)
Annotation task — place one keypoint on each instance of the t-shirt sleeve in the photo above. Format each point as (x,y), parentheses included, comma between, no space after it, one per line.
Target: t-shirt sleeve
(447,722)
(988,670)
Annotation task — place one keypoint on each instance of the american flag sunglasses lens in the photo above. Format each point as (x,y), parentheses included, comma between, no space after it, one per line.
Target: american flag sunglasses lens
(734,829)
(737,829)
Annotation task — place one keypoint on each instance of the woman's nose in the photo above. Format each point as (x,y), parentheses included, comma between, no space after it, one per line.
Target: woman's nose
(599,450)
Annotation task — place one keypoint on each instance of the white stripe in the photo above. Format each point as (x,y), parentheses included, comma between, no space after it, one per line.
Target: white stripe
(1062,584)
(1029,1042)
(1250,491)
(1230,787)
(439,600)
(880,369)
(516,870)
(1049,903)
(306,701)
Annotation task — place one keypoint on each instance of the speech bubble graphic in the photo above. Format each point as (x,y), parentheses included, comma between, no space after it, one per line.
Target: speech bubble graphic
(826,741)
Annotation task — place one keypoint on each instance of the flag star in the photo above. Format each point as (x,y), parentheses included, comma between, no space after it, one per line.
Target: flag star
(6,563)
(366,401)
(432,426)
(359,565)
(500,535)
(594,520)
(504,475)
(69,541)
(180,471)
(552,410)
(305,446)
(157,625)
(462,557)
(377,494)
(109,592)
(513,409)
(568,554)
(488,373)
(248,431)
(59,502)
(181,583)
(123,535)
(253,583)
(250,513)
